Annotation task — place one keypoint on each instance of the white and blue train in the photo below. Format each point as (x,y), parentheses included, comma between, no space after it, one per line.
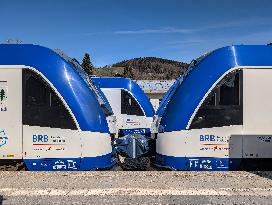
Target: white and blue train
(132,108)
(52,115)
(219,113)
(134,115)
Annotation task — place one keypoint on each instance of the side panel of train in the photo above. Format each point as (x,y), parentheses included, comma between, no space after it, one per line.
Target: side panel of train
(38,129)
(231,124)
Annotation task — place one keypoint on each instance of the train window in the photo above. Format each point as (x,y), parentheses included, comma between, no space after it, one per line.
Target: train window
(229,91)
(36,94)
(210,101)
(41,106)
(129,105)
(223,106)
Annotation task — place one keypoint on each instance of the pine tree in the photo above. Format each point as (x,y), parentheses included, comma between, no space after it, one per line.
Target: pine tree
(2,95)
(128,72)
(87,64)
(131,75)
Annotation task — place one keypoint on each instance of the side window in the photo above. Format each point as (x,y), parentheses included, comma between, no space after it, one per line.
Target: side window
(35,92)
(223,106)
(41,106)
(129,105)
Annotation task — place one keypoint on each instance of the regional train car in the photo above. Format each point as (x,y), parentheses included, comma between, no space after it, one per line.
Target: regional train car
(52,117)
(133,111)
(219,113)
(132,108)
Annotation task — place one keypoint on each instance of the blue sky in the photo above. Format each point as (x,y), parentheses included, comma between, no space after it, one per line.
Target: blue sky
(114,30)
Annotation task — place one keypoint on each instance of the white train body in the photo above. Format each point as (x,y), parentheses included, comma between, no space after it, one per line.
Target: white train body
(41,124)
(219,116)
(132,108)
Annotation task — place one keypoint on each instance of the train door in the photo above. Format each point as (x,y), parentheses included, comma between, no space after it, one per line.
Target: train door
(11,117)
(51,140)
(257,139)
(214,140)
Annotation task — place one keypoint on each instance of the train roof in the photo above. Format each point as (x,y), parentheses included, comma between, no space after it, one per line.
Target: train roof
(181,100)
(131,86)
(78,95)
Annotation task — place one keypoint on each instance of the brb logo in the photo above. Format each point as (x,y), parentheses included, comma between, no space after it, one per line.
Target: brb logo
(40,138)
(207,138)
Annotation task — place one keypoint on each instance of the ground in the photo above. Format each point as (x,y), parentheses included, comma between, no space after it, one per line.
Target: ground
(127,187)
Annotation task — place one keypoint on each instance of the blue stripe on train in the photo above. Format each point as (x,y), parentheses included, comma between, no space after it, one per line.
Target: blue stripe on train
(143,131)
(70,164)
(197,163)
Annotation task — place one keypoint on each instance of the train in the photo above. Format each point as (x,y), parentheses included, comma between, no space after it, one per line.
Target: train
(132,108)
(134,117)
(53,118)
(217,115)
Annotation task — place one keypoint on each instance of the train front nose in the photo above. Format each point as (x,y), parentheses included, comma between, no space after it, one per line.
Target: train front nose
(133,151)
(132,145)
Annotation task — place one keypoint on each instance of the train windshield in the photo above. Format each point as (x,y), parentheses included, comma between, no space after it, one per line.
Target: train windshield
(100,97)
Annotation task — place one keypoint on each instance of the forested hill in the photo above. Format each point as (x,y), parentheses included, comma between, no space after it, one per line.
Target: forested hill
(151,68)
(148,68)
